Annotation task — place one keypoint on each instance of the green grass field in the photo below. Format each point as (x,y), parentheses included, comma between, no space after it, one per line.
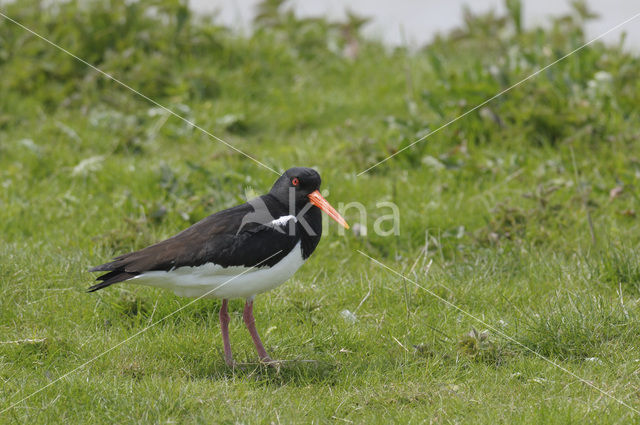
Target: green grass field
(523,213)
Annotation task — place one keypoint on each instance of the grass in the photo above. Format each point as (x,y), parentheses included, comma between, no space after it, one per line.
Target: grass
(526,211)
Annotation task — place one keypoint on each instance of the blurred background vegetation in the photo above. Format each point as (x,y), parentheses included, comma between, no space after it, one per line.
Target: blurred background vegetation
(305,91)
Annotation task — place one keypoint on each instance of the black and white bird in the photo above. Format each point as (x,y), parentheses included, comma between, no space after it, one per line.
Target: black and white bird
(235,253)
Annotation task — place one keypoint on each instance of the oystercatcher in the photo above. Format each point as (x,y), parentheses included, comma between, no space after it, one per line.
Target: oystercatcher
(235,253)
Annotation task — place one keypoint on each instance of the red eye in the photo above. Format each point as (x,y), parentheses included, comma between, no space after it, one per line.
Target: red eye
(295,181)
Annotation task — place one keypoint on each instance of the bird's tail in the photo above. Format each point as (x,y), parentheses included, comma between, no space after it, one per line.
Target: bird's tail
(117,273)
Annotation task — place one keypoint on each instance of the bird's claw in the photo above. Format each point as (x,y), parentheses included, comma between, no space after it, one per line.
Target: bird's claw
(268,361)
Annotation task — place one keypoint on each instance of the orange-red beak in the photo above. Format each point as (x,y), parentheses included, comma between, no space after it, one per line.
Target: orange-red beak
(316,199)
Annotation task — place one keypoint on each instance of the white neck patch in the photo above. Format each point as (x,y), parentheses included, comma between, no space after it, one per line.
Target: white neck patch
(281,221)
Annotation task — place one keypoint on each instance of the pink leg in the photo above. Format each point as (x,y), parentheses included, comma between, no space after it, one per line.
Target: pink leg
(224,327)
(250,321)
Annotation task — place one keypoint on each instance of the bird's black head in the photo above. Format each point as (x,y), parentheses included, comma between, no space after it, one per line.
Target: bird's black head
(296,183)
(302,186)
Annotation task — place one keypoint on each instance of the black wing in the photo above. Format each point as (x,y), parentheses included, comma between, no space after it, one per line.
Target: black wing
(222,238)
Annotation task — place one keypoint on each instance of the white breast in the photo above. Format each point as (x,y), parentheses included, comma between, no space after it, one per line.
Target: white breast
(224,282)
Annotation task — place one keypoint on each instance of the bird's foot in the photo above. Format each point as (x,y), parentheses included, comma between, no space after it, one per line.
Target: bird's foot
(230,362)
(268,361)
